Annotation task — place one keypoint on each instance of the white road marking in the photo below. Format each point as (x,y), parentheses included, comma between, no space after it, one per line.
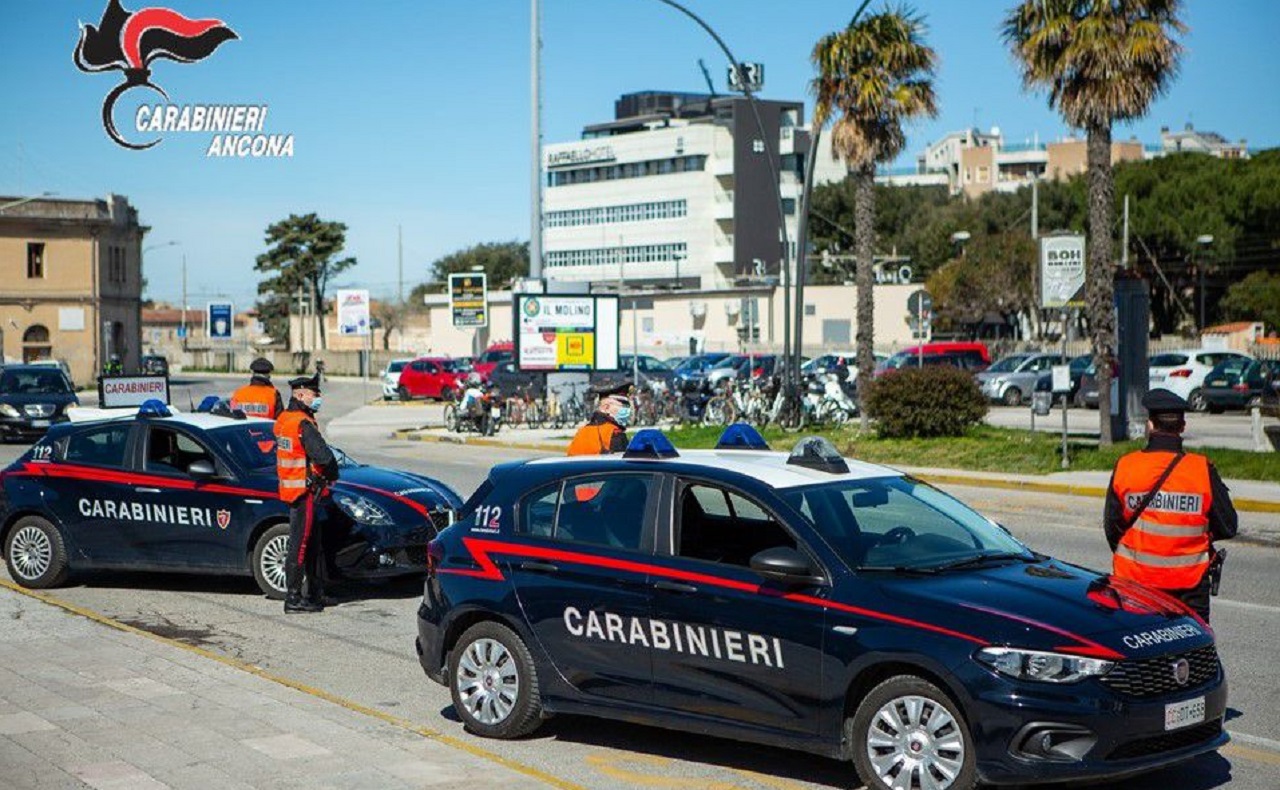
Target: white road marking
(1257,607)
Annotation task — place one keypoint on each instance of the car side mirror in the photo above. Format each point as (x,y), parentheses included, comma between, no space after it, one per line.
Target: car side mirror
(201,469)
(785,564)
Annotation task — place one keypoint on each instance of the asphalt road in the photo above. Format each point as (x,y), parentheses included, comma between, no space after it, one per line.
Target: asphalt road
(362,649)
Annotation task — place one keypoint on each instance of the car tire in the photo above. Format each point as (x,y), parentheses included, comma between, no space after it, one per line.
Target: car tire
(269,554)
(1012,397)
(447,394)
(1195,399)
(494,683)
(36,554)
(403,394)
(1215,408)
(924,741)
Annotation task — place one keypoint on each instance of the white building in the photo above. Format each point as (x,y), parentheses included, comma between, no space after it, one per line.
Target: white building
(677,187)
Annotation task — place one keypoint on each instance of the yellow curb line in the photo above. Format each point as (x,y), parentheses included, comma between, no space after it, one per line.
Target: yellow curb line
(355,707)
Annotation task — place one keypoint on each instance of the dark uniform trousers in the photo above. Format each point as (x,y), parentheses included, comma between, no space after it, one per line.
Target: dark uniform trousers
(305,560)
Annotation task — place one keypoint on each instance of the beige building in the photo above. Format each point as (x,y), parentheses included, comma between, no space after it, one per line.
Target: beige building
(1071,157)
(72,282)
(662,323)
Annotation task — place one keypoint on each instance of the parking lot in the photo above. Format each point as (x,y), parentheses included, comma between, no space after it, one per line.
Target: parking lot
(361,651)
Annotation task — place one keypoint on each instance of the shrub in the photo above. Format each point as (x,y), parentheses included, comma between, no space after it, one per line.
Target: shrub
(920,402)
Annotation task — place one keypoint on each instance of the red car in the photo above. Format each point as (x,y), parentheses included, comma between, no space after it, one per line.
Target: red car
(429,377)
(494,356)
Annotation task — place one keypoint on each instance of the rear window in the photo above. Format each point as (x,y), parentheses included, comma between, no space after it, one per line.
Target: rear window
(396,367)
(1167,360)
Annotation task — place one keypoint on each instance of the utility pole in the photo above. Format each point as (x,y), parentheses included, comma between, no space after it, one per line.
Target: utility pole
(1124,244)
(400,265)
(183,323)
(535,140)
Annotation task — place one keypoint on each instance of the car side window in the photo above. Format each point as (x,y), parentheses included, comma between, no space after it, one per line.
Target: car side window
(718,525)
(98,447)
(171,452)
(606,510)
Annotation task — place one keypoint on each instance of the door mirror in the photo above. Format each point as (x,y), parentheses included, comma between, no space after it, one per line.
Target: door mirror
(785,564)
(201,469)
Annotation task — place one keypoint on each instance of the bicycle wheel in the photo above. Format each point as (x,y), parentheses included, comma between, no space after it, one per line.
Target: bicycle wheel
(451,417)
(533,415)
(718,411)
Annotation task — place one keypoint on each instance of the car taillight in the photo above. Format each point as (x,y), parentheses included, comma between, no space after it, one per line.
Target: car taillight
(1242,387)
(1180,373)
(435,554)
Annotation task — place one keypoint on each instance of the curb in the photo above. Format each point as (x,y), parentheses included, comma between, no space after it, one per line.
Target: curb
(1069,489)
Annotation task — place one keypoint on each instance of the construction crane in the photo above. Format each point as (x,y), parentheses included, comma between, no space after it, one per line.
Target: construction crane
(711,86)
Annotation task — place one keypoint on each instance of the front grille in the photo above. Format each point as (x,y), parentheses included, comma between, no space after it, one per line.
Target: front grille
(39,409)
(1152,677)
(1168,742)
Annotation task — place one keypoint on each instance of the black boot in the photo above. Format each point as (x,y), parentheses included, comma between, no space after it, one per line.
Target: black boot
(295,604)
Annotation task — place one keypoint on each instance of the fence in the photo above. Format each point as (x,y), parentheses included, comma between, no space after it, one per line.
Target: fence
(336,363)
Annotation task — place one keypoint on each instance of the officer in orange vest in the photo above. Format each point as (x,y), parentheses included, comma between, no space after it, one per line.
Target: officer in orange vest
(1165,507)
(606,430)
(259,398)
(305,466)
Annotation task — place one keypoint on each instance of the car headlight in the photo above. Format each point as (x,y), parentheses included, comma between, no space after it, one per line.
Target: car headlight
(1041,666)
(9,411)
(362,510)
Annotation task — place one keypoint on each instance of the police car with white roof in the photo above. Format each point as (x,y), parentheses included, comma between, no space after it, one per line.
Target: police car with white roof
(160,490)
(808,601)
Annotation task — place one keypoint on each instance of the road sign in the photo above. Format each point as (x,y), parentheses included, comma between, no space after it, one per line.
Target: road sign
(221,323)
(752,77)
(919,302)
(1061,378)
(1062,271)
(353,312)
(469,299)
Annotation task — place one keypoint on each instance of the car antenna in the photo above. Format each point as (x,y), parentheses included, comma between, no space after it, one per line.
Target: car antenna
(190,400)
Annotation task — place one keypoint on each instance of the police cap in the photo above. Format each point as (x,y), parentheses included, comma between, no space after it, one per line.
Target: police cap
(262,366)
(615,388)
(305,382)
(1162,401)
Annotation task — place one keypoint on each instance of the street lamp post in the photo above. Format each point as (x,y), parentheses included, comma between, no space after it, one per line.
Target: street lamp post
(1202,244)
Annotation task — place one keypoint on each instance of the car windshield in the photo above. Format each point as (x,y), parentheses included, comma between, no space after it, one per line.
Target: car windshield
(897,523)
(397,366)
(33,382)
(1231,366)
(496,355)
(455,366)
(1081,363)
(729,362)
(1007,364)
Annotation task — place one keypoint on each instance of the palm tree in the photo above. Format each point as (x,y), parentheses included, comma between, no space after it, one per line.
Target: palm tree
(1102,61)
(873,76)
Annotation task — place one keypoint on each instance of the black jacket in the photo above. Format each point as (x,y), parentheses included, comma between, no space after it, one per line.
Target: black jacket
(1223,522)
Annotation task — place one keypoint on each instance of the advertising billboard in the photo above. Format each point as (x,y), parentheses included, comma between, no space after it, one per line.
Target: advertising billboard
(469,299)
(221,323)
(116,392)
(566,333)
(1061,271)
(353,312)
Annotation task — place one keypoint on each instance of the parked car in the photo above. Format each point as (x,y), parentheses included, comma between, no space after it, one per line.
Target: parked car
(652,371)
(693,371)
(835,361)
(429,377)
(32,398)
(1011,379)
(971,356)
(1239,383)
(154,365)
(741,367)
(493,356)
(509,380)
(60,364)
(1183,372)
(1078,365)
(391,378)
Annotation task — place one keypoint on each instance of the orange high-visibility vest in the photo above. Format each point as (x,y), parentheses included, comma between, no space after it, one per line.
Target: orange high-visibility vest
(256,400)
(1168,547)
(593,439)
(291,459)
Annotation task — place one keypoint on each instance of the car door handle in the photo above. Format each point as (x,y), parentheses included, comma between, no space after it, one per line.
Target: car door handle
(675,587)
(538,567)
(147,490)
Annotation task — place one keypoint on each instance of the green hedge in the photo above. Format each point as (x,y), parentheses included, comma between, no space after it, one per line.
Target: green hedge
(923,402)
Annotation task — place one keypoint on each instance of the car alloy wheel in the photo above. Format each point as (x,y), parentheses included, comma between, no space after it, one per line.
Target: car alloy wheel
(914,742)
(488,681)
(272,561)
(32,552)
(1013,397)
(1197,402)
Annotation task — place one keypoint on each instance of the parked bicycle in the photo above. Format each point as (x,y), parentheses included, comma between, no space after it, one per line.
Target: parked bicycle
(568,410)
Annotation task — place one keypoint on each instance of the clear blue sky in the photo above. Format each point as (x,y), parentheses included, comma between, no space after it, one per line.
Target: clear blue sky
(417,112)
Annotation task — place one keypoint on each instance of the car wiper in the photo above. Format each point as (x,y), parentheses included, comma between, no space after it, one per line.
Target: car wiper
(898,569)
(980,559)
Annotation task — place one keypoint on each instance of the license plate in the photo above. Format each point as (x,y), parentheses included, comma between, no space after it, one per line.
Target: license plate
(39,423)
(495,412)
(1183,714)
(1218,383)
(1157,377)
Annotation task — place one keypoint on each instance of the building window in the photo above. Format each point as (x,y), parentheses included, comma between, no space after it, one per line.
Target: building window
(618,256)
(984,175)
(35,259)
(652,167)
(607,215)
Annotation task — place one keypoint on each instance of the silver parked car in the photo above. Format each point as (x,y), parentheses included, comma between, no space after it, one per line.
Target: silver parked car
(1013,378)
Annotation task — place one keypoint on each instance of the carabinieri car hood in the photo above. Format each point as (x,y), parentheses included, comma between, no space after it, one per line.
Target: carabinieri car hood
(404,487)
(1052,605)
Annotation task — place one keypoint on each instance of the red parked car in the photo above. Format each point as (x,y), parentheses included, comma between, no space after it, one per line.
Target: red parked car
(429,377)
(494,356)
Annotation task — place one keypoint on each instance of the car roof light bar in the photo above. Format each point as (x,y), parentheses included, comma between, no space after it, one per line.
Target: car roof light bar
(208,403)
(153,407)
(650,443)
(816,452)
(740,436)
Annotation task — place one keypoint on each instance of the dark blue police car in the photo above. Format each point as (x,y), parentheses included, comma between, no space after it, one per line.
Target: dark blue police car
(812,602)
(197,492)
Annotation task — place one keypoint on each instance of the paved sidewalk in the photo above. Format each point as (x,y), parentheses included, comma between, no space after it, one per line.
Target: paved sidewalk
(83,704)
